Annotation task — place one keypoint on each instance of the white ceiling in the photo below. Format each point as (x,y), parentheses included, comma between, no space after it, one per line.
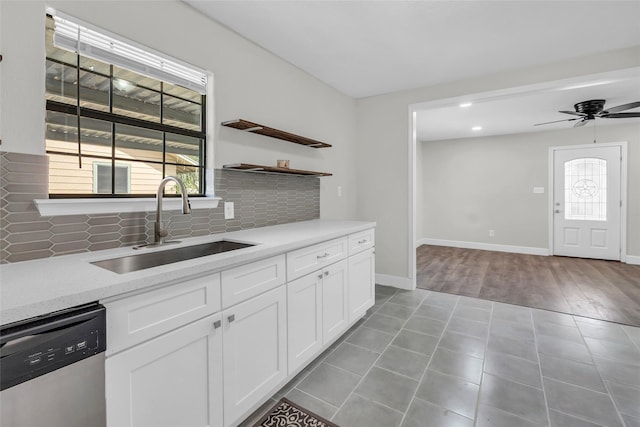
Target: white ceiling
(366,48)
(519,113)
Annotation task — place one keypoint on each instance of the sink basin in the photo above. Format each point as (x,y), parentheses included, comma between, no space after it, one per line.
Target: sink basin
(127,264)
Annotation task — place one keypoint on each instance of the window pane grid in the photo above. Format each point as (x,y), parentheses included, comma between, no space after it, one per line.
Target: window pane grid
(585,191)
(98,111)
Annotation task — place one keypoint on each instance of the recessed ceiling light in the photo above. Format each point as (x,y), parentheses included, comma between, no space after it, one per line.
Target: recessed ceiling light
(466,104)
(476,128)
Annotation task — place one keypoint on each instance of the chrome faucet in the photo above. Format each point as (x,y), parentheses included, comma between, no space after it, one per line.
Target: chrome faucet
(160,233)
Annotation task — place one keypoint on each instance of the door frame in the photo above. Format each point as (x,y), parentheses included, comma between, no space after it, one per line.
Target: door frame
(623,192)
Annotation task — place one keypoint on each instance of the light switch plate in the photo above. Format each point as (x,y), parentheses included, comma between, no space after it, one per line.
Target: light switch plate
(538,190)
(228,210)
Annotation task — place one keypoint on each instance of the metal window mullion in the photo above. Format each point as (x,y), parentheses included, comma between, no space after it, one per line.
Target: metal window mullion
(113,133)
(164,134)
(78,112)
(164,154)
(203,144)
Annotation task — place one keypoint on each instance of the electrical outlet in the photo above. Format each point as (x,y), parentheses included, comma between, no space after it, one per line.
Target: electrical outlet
(492,233)
(228,210)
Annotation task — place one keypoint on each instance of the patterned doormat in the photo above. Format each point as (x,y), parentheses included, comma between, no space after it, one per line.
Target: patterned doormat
(287,414)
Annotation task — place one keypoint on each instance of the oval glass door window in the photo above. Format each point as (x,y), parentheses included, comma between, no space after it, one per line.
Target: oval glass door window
(585,189)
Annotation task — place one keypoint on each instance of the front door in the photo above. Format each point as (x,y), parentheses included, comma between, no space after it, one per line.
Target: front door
(587,202)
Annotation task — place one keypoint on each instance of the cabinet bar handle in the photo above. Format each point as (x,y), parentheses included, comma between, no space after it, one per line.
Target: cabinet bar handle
(217,324)
(326,254)
(231,318)
(362,241)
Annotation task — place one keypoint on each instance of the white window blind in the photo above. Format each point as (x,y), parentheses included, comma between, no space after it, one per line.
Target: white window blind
(72,34)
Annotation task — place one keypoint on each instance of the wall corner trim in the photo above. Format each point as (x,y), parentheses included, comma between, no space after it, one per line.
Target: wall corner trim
(394,281)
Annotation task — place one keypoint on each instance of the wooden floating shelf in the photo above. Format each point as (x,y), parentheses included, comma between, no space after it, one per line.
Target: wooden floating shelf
(248,126)
(271,169)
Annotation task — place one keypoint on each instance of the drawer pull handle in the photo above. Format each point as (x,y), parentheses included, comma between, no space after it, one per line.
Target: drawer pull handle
(326,273)
(217,324)
(231,318)
(362,241)
(326,254)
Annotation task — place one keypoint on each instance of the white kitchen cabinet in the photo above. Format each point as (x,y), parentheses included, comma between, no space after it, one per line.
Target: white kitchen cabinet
(360,241)
(307,260)
(335,294)
(140,317)
(304,319)
(255,351)
(361,283)
(171,361)
(172,380)
(246,281)
(317,312)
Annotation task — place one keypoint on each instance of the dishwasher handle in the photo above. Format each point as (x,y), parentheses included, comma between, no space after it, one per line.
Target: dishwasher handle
(12,345)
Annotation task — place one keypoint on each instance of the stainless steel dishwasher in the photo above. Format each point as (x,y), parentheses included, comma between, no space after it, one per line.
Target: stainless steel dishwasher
(52,370)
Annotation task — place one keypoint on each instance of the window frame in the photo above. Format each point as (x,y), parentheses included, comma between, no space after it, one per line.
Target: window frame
(205,163)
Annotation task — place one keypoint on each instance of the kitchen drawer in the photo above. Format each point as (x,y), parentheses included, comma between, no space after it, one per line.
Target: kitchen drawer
(306,260)
(358,242)
(246,281)
(140,317)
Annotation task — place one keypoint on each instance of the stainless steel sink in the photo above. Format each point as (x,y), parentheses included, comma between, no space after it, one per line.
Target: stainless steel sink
(127,264)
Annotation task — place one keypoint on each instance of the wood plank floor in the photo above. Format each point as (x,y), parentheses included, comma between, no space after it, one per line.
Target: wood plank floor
(605,290)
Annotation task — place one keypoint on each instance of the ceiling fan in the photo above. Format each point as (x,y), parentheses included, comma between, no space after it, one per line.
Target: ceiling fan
(593,109)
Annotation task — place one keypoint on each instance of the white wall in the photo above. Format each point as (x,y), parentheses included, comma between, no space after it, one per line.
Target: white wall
(472,185)
(383,134)
(250,83)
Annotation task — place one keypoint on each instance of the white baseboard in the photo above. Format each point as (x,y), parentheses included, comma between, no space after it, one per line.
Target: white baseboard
(630,259)
(633,259)
(484,246)
(394,281)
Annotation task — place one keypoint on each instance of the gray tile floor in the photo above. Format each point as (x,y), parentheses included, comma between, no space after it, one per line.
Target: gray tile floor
(423,358)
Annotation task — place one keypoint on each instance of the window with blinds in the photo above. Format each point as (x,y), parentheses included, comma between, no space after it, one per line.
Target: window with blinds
(120,117)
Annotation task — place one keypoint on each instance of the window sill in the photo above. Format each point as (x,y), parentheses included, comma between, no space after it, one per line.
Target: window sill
(58,207)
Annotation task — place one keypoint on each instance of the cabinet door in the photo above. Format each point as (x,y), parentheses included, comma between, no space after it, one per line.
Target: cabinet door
(361,283)
(304,319)
(335,311)
(172,380)
(255,351)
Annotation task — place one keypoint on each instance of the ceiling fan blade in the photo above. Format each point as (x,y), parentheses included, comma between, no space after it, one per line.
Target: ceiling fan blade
(557,121)
(580,123)
(620,115)
(622,107)
(573,112)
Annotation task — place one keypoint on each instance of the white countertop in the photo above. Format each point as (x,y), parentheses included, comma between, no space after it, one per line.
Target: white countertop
(38,287)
